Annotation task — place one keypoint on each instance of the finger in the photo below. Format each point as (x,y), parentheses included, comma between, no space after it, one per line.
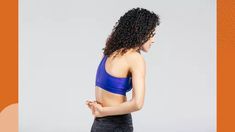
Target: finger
(89,102)
(89,106)
(93,103)
(97,102)
(93,110)
(95,106)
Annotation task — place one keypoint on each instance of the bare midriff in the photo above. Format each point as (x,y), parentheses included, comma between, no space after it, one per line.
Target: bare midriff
(107,99)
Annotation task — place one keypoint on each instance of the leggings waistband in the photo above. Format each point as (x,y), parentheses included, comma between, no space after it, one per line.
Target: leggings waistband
(115,116)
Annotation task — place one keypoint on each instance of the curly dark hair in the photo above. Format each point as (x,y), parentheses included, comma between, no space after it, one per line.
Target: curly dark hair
(132,30)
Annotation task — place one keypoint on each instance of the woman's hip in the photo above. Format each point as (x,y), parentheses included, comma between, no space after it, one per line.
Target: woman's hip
(114,123)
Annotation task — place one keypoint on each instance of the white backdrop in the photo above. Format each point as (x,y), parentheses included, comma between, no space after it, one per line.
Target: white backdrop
(60,44)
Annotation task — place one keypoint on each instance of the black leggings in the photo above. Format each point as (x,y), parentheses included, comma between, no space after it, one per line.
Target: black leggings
(114,123)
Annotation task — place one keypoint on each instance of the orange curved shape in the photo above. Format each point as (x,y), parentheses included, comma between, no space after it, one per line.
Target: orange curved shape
(9,118)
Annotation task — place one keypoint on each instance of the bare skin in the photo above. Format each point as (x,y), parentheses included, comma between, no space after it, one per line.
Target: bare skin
(117,67)
(131,63)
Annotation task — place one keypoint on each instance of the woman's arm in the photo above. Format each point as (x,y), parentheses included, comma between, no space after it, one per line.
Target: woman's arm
(138,71)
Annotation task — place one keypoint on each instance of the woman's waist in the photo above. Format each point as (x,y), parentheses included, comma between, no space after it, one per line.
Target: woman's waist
(108,102)
(107,99)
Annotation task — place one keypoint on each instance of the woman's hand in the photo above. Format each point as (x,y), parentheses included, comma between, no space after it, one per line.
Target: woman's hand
(96,108)
(89,104)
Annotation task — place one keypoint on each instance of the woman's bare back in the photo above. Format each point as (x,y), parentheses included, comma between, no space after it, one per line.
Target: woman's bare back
(117,67)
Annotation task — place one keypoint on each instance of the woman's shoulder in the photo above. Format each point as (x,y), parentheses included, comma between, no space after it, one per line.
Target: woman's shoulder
(135,59)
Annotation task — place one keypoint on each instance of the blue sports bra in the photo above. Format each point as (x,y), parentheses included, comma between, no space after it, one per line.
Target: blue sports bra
(110,83)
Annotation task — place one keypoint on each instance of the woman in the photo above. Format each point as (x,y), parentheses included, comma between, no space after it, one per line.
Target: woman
(121,69)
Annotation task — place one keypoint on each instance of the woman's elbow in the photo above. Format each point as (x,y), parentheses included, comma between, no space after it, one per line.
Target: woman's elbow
(138,105)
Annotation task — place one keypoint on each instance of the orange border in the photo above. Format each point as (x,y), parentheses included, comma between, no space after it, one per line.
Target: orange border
(8,52)
(225,65)
(9,66)
(225,60)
